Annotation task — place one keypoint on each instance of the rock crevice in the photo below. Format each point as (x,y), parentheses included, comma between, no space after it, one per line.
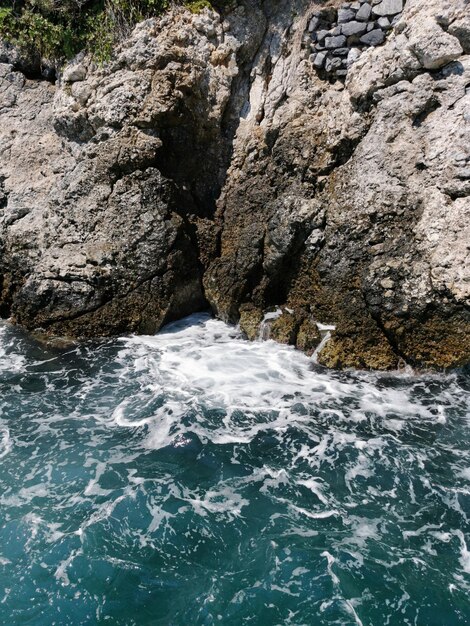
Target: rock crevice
(216,161)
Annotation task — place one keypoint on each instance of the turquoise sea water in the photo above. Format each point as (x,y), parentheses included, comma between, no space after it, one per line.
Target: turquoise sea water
(195,478)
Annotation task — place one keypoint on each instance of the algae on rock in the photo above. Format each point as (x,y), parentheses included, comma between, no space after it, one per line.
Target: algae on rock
(209,163)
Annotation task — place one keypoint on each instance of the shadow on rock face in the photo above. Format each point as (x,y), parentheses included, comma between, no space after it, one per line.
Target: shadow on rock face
(213,161)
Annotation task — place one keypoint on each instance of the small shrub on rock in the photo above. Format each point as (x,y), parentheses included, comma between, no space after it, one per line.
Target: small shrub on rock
(55,30)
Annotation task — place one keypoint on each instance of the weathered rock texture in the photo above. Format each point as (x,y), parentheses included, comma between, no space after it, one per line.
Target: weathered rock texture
(109,181)
(211,162)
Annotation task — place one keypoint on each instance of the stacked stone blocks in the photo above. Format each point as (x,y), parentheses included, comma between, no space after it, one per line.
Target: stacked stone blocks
(336,38)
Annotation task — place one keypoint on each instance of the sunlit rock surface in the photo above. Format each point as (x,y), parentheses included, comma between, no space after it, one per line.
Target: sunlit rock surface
(211,162)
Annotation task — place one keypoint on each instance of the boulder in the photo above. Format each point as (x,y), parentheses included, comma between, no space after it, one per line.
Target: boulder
(384,23)
(353,56)
(353,28)
(364,12)
(321,34)
(332,64)
(433,47)
(313,24)
(335,42)
(388,7)
(319,60)
(74,73)
(373,38)
(460,29)
(345,15)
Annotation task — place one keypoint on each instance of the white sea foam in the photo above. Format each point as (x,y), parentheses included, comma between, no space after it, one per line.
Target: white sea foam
(10,360)
(6,443)
(465,473)
(464,552)
(201,364)
(198,440)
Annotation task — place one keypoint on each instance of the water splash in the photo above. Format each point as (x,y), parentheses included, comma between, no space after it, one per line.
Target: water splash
(194,477)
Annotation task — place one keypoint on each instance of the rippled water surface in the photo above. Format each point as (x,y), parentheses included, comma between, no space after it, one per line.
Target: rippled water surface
(195,478)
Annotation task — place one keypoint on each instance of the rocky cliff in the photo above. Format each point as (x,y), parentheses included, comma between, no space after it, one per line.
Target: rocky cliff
(308,158)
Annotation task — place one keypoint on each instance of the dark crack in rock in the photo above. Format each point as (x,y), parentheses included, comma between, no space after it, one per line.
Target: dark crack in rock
(212,164)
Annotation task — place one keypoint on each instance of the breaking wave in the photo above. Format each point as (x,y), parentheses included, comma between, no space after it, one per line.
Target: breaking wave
(193,477)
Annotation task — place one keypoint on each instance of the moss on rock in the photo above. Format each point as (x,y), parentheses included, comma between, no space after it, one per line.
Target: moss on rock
(284,328)
(358,352)
(308,336)
(437,341)
(250,320)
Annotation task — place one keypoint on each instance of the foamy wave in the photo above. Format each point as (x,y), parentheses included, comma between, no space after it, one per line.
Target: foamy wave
(230,480)
(201,364)
(6,443)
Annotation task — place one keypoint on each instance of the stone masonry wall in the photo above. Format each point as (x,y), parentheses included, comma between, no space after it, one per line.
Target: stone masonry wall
(210,163)
(337,37)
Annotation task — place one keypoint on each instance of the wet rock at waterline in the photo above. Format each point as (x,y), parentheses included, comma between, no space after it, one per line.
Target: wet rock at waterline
(130,465)
(218,160)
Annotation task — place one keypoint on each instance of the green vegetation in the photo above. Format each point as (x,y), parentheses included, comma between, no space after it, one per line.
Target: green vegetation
(197,5)
(57,29)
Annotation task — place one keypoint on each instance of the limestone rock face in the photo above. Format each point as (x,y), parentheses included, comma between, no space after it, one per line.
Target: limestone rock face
(108,181)
(351,206)
(434,47)
(212,163)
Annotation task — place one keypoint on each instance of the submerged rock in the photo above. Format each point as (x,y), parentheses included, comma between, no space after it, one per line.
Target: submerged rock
(212,162)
